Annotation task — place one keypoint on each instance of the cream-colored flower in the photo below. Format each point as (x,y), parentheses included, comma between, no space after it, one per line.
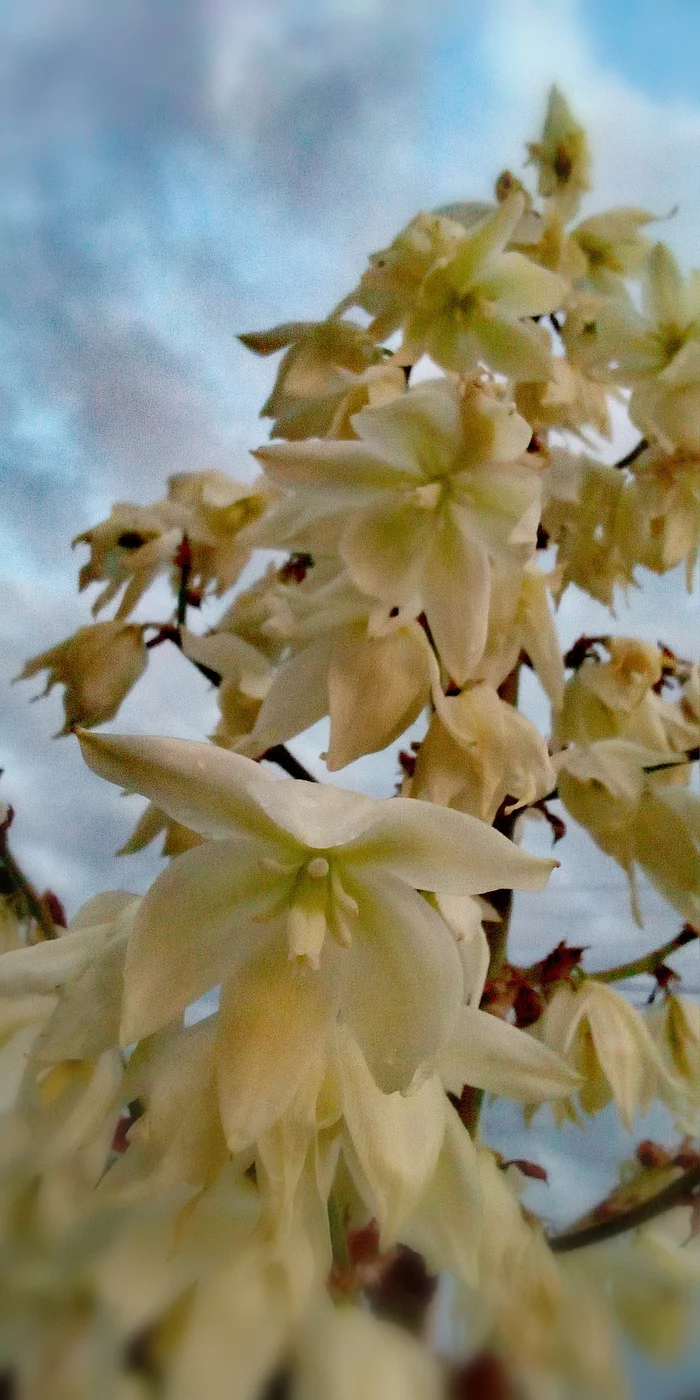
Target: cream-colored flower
(520,620)
(568,400)
(613,788)
(562,156)
(349,660)
(429,493)
(98,667)
(127,552)
(667,510)
(674,1025)
(613,247)
(605,1039)
(476,305)
(305,903)
(480,751)
(331,369)
(388,289)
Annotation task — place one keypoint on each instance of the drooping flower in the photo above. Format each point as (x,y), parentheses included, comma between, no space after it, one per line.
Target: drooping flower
(98,667)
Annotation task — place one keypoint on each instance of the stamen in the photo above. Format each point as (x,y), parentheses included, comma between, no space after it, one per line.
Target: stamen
(318,868)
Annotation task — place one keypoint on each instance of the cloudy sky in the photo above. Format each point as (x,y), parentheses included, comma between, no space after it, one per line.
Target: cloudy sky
(173,172)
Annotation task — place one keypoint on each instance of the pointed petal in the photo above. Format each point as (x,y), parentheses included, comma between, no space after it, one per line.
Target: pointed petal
(200,919)
(520,349)
(435,848)
(297,698)
(456,588)
(418,432)
(274,1016)
(377,687)
(385,547)
(487,240)
(488,1053)
(45,966)
(447,1225)
(404,984)
(395,1138)
(329,464)
(204,787)
(521,287)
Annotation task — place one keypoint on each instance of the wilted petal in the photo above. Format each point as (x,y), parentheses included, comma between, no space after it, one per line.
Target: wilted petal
(274,1016)
(434,848)
(202,917)
(488,1053)
(404,984)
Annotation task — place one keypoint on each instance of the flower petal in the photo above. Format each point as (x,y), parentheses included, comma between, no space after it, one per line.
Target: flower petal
(329,464)
(204,787)
(377,687)
(395,1138)
(418,432)
(435,848)
(274,1017)
(404,979)
(521,286)
(385,547)
(488,1053)
(297,698)
(201,918)
(456,588)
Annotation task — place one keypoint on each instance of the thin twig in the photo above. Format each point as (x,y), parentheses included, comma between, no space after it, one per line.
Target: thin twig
(284,759)
(680,1192)
(632,456)
(650,962)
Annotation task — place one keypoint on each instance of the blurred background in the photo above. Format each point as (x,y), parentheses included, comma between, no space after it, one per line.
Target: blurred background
(173,172)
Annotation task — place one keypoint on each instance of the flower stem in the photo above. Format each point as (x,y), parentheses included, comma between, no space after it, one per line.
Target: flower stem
(632,456)
(650,962)
(680,1192)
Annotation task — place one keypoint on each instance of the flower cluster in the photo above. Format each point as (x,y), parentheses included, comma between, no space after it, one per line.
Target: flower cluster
(240,1131)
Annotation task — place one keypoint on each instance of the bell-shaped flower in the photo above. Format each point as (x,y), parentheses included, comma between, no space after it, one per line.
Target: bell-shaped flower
(128,551)
(305,904)
(476,305)
(480,751)
(349,660)
(612,788)
(667,510)
(562,156)
(605,1039)
(431,491)
(674,1025)
(98,667)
